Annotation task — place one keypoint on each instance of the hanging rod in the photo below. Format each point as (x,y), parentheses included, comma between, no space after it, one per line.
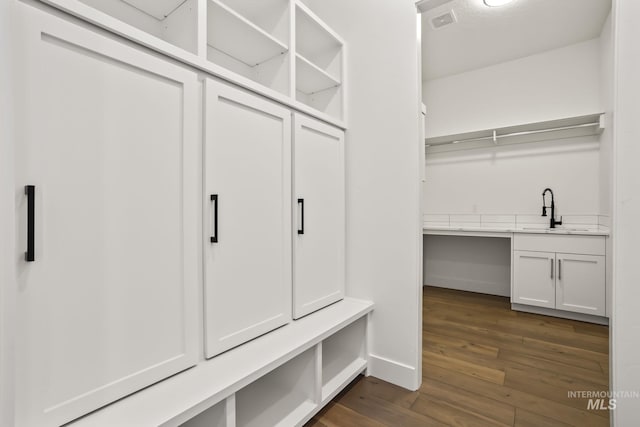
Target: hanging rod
(494,137)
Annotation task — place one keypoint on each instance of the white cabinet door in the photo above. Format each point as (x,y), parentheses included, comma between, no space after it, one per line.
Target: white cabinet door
(534,278)
(580,285)
(319,238)
(247,216)
(108,137)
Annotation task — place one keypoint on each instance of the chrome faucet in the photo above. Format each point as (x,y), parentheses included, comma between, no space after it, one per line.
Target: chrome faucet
(552,222)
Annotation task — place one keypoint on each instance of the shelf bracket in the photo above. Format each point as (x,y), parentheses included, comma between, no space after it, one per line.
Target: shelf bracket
(495,137)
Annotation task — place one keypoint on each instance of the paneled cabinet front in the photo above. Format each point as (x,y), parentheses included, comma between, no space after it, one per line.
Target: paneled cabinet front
(580,285)
(107,214)
(534,280)
(247,216)
(569,275)
(319,238)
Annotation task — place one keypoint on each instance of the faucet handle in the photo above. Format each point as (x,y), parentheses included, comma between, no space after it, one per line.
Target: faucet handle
(544,211)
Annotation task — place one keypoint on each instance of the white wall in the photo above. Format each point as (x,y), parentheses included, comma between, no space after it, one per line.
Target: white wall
(510,179)
(626,211)
(477,264)
(7,230)
(555,84)
(383,219)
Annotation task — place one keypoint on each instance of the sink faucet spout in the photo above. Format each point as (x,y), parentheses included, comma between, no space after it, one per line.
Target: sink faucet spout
(552,221)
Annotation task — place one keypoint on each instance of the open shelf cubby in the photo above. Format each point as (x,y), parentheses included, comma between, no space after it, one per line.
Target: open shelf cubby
(282,397)
(319,63)
(311,79)
(174,21)
(217,416)
(252,39)
(343,358)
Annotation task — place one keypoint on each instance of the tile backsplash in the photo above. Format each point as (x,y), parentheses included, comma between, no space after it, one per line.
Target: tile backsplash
(511,221)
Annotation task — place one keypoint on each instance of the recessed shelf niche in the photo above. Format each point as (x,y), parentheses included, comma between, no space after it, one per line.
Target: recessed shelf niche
(343,357)
(174,21)
(217,416)
(319,63)
(252,39)
(283,397)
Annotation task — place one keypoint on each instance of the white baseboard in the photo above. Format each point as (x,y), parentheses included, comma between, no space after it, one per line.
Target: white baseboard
(560,313)
(394,372)
(463,284)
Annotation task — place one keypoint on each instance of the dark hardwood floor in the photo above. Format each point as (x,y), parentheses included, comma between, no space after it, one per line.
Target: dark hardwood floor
(485,365)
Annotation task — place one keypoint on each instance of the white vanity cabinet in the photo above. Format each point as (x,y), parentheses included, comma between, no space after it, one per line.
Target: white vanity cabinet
(319,234)
(247,216)
(563,272)
(107,296)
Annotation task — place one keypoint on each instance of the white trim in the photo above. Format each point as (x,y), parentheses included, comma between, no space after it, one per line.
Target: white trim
(471,285)
(560,313)
(394,372)
(201,29)
(421,164)
(7,219)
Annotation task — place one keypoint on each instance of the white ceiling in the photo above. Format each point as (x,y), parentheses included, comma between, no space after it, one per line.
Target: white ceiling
(485,36)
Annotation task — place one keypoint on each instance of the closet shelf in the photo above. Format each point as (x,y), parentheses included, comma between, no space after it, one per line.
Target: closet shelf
(310,78)
(591,124)
(234,35)
(337,383)
(159,9)
(255,10)
(313,35)
(303,412)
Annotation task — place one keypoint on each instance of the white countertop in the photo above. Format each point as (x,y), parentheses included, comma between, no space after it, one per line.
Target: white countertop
(489,229)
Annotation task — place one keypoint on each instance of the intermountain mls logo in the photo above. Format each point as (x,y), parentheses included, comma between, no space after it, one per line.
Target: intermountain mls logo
(602,400)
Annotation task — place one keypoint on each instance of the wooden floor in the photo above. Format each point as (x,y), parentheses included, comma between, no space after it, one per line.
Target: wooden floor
(485,365)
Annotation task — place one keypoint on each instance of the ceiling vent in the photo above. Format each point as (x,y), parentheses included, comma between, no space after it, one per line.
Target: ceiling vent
(427,5)
(443,20)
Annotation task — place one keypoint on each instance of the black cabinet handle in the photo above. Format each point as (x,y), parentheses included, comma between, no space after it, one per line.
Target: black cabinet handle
(301,229)
(214,200)
(30,254)
(559,269)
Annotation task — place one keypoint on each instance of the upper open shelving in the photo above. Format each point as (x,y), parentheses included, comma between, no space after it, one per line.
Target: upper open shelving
(315,40)
(246,42)
(571,127)
(319,63)
(310,78)
(270,15)
(234,35)
(172,21)
(159,9)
